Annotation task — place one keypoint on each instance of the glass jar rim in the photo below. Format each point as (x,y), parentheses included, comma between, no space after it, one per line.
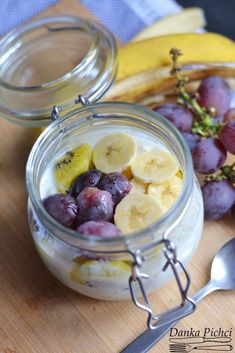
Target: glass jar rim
(102,49)
(168,219)
(28,27)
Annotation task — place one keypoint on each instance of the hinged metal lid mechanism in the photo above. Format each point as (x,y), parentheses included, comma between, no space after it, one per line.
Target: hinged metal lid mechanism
(50,62)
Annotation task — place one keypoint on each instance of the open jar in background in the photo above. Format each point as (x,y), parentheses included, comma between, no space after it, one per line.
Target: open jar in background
(50,62)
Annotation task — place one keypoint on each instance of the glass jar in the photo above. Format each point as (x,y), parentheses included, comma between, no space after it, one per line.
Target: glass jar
(59,61)
(49,62)
(96,267)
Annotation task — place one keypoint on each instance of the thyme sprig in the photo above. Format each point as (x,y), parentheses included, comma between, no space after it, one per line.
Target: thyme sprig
(204,124)
(225,172)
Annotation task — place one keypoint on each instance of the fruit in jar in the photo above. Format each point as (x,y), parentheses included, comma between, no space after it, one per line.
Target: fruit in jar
(114,152)
(214,92)
(154,166)
(135,212)
(177,115)
(62,208)
(138,186)
(218,197)
(167,192)
(87,179)
(191,139)
(128,173)
(99,228)
(94,205)
(227,136)
(117,184)
(209,155)
(70,165)
(179,174)
(99,269)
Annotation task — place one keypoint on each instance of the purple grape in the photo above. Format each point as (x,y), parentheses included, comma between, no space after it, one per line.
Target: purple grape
(117,184)
(177,115)
(99,228)
(218,197)
(94,205)
(191,139)
(230,115)
(62,208)
(219,118)
(209,155)
(215,92)
(227,136)
(87,179)
(233,212)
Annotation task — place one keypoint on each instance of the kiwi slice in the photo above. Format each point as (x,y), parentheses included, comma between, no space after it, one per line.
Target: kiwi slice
(72,164)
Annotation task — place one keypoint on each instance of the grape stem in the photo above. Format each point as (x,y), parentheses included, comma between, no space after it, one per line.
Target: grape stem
(226,172)
(205,125)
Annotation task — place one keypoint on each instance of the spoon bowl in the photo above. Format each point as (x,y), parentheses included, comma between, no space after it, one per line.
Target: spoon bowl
(223,267)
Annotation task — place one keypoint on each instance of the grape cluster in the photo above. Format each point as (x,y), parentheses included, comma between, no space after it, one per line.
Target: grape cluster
(89,207)
(208,126)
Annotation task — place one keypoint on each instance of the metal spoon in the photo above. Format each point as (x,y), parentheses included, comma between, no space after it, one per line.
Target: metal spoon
(222,278)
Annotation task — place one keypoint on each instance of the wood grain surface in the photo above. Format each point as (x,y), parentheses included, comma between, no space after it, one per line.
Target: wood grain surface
(40,315)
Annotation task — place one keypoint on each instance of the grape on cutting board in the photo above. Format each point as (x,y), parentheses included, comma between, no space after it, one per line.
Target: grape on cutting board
(209,130)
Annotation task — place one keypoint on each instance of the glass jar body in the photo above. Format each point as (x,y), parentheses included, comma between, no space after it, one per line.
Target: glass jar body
(101,268)
(106,277)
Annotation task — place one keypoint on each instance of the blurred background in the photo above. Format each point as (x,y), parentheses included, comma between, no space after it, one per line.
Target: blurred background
(220,14)
(125,17)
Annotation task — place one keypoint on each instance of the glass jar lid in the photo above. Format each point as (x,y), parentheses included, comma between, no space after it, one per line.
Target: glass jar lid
(50,62)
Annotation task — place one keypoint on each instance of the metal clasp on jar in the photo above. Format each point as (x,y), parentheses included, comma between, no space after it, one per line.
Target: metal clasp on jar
(56,108)
(187,305)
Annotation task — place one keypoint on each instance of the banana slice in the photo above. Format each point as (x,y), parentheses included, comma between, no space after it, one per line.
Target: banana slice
(99,269)
(114,153)
(138,186)
(154,167)
(167,192)
(136,211)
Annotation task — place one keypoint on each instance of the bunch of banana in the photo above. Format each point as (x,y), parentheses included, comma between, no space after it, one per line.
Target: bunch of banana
(186,21)
(144,66)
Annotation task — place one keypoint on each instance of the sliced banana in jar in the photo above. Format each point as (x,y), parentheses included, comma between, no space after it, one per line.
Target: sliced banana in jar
(167,192)
(155,166)
(72,164)
(114,153)
(138,186)
(99,269)
(135,212)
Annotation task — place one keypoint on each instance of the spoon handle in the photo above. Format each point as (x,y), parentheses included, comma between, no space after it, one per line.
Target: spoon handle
(149,338)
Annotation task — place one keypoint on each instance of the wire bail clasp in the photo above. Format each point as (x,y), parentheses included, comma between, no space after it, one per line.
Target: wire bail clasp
(57,108)
(137,287)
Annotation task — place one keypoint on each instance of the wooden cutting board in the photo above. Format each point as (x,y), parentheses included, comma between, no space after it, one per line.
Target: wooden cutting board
(40,315)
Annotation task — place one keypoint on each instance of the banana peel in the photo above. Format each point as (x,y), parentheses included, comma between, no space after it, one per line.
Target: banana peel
(188,20)
(150,54)
(159,81)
